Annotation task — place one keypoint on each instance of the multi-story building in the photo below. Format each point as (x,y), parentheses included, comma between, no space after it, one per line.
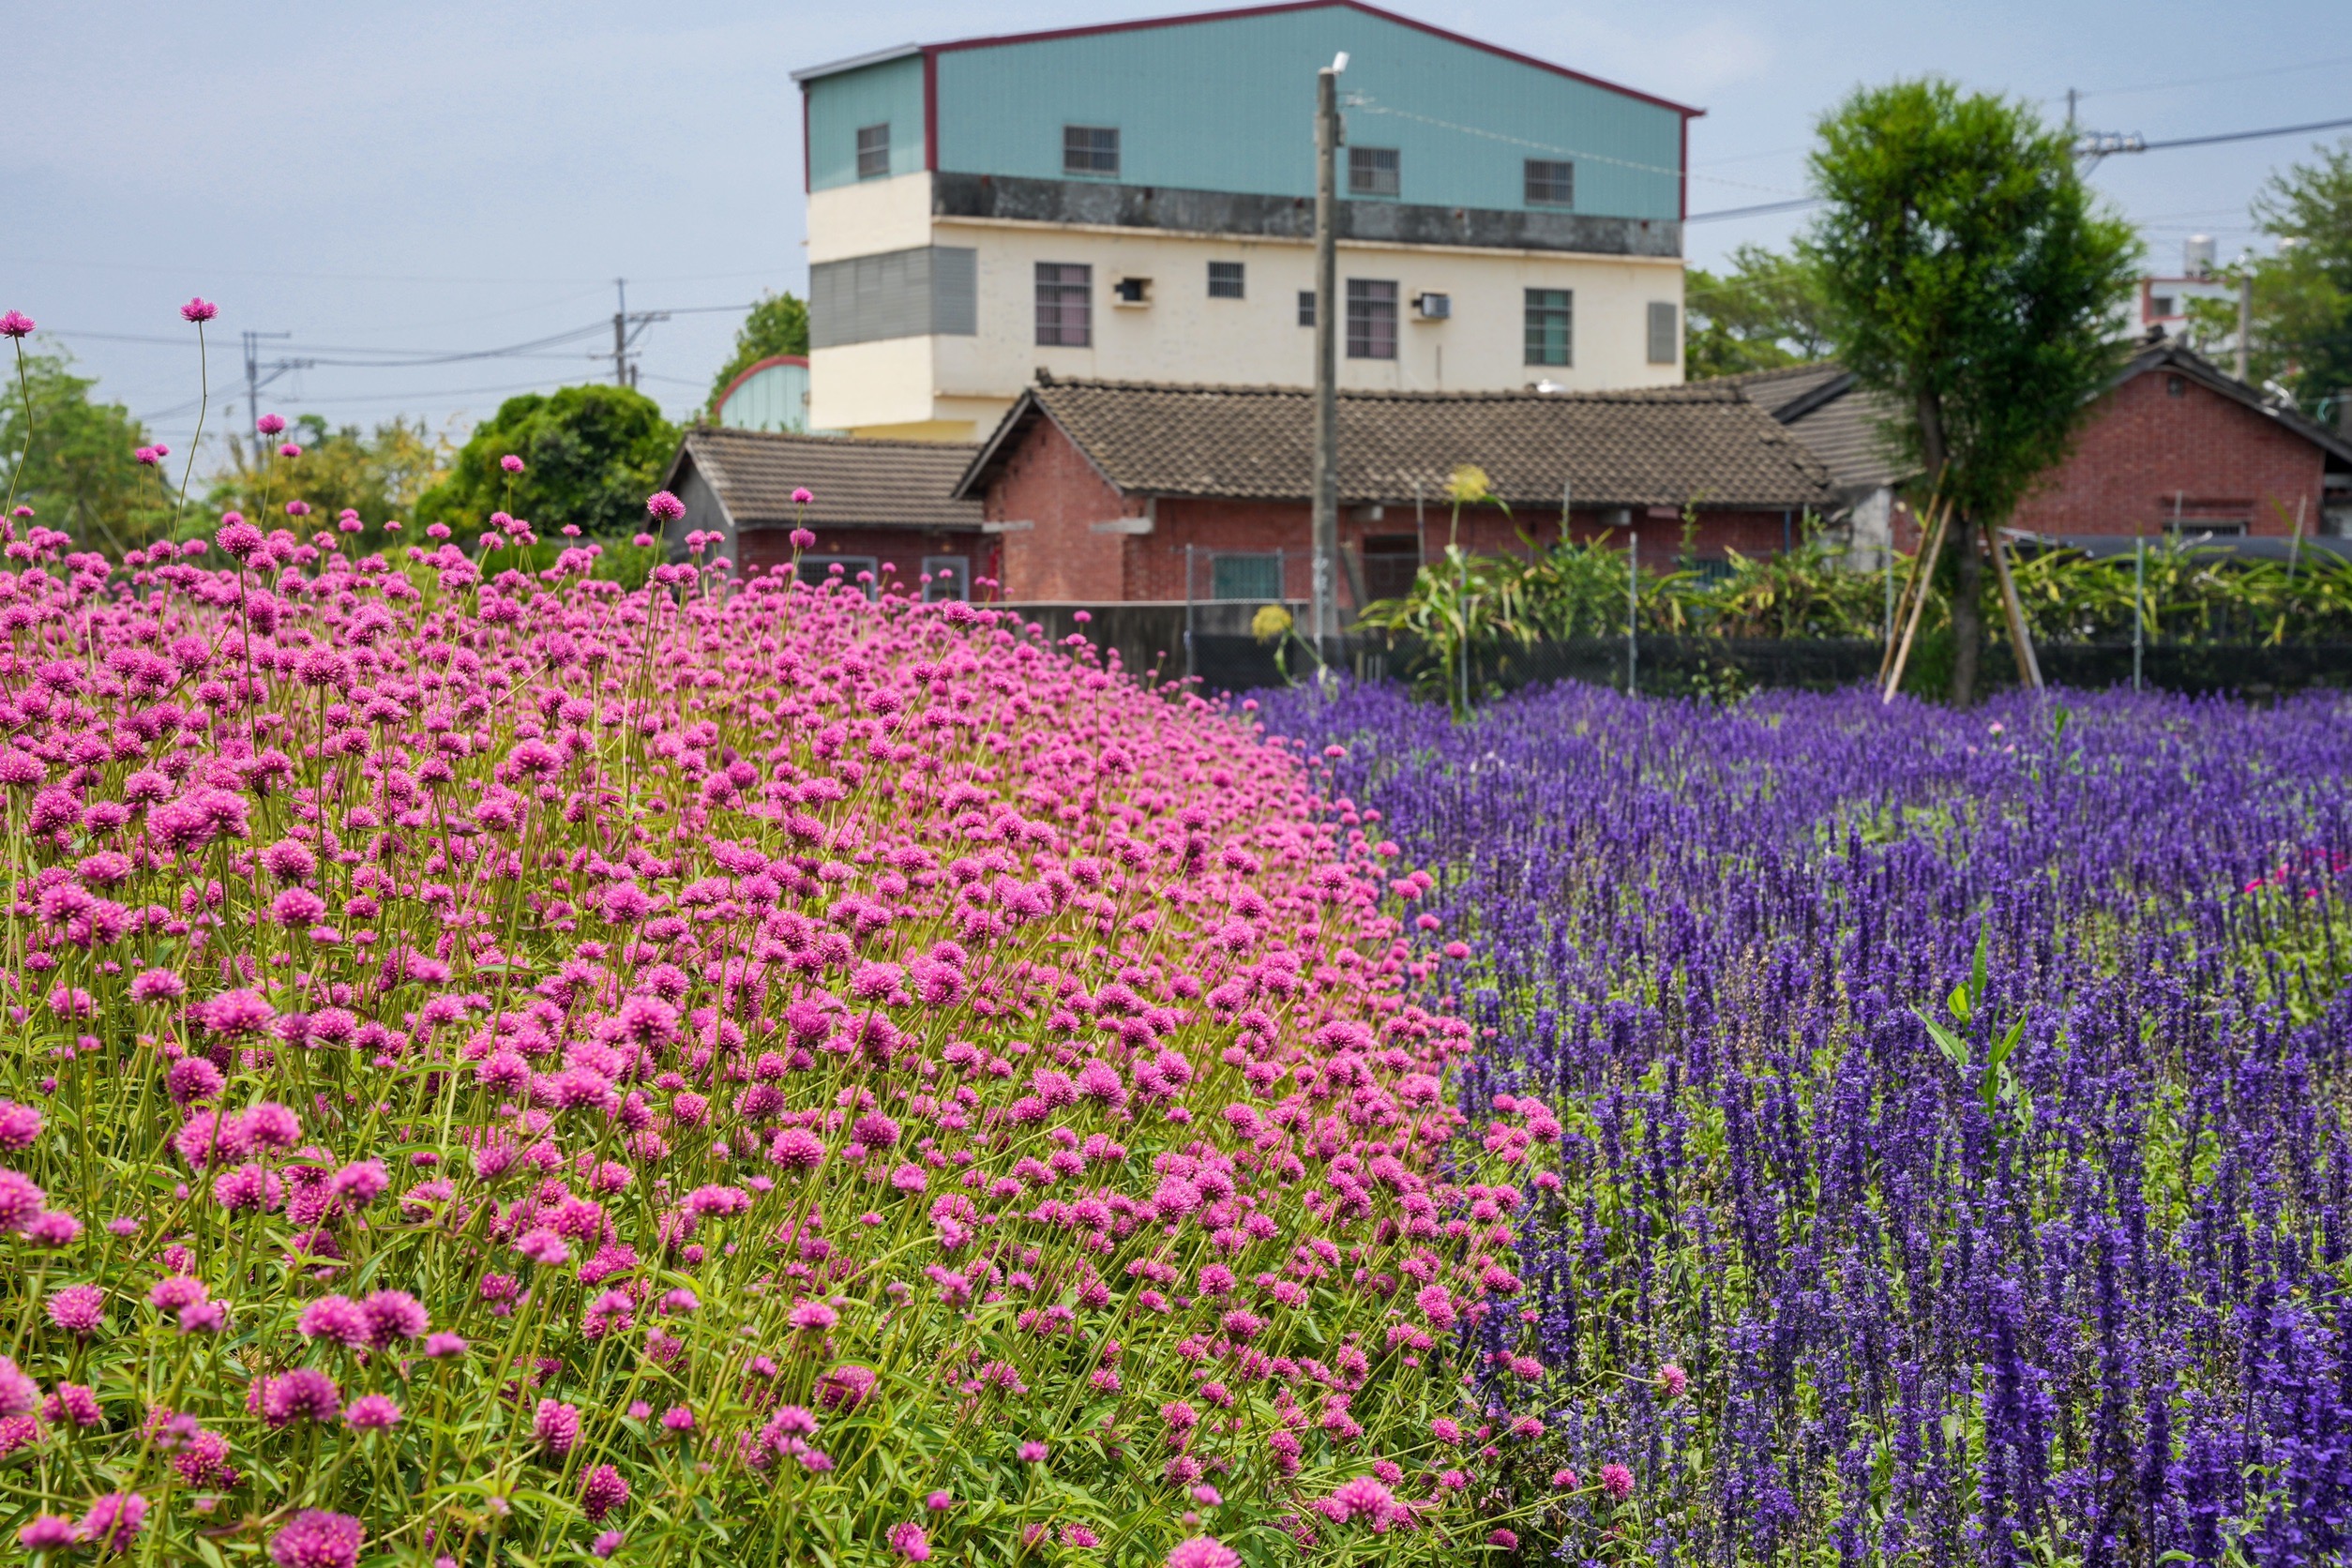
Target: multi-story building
(1137,202)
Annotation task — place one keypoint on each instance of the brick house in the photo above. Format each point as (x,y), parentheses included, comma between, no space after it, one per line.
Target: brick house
(2172,443)
(1122,490)
(877,504)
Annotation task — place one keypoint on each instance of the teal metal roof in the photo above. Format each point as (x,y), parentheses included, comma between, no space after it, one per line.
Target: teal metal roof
(1224,102)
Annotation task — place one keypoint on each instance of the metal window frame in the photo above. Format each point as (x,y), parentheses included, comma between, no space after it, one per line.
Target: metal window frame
(1067,293)
(1238,280)
(1665,331)
(1307,307)
(882,172)
(1269,560)
(960,565)
(1534,311)
(1369,176)
(1362,304)
(1529,187)
(1084,144)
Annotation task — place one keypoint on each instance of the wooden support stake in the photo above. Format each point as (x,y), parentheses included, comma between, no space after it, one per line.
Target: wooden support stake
(2013,608)
(1921,564)
(1910,627)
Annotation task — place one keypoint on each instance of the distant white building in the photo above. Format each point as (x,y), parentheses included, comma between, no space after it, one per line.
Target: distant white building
(1136,202)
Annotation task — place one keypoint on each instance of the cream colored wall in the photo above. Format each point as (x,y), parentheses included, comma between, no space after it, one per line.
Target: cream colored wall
(1185,336)
(860,385)
(869,216)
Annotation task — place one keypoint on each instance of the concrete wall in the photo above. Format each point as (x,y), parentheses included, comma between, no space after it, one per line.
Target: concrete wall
(2142,446)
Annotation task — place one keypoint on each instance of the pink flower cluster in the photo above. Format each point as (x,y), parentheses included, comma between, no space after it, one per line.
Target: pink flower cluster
(461,1014)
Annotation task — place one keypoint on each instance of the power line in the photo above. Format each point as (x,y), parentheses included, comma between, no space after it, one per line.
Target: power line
(2247,135)
(2207,81)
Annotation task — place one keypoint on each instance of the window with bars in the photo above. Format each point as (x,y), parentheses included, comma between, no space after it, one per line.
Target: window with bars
(1225,279)
(1551,322)
(1246,577)
(1307,307)
(1090,150)
(1550,183)
(1372,172)
(1663,331)
(1371,319)
(946,577)
(873,152)
(1065,309)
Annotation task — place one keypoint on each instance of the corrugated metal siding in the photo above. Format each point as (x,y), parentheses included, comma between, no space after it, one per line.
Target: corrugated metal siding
(890,93)
(1228,105)
(772,399)
(932,288)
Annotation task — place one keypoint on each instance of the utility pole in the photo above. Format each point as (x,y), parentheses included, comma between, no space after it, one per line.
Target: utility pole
(2245,317)
(1326,464)
(620,334)
(256,378)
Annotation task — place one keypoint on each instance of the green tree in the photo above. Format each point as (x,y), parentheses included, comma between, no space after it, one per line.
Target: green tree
(590,455)
(80,476)
(2302,296)
(378,474)
(1766,311)
(777,324)
(1970,277)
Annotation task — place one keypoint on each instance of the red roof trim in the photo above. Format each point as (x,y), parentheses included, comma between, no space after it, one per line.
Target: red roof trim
(752,369)
(932,50)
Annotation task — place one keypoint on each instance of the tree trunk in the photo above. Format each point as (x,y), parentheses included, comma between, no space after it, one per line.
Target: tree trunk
(1968,627)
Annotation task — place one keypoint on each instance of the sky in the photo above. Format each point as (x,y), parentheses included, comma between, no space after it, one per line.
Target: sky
(403,180)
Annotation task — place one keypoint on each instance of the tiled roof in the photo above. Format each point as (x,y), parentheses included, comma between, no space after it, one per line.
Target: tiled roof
(865,483)
(1667,447)
(1775,389)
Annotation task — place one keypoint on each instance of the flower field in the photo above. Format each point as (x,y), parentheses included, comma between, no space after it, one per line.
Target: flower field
(512,1068)
(1958,1102)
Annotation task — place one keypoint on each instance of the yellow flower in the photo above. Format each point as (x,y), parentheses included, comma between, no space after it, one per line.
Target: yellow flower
(1270,624)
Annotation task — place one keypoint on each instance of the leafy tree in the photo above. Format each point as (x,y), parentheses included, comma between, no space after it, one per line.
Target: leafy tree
(80,476)
(1766,311)
(777,324)
(1969,276)
(379,475)
(590,455)
(2302,296)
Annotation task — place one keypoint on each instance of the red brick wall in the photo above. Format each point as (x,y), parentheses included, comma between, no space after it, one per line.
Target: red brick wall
(1049,484)
(2142,446)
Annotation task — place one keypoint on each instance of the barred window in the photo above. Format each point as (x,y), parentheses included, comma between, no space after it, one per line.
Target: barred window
(873,151)
(1663,324)
(1372,172)
(1225,279)
(1307,307)
(1065,307)
(1371,319)
(1090,150)
(1551,326)
(1246,577)
(1550,184)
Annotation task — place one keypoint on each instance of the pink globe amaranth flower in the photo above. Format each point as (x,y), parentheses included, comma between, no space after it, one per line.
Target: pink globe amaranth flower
(910,1541)
(20,1125)
(270,424)
(16,323)
(371,1412)
(1564,1479)
(442,1346)
(304,1394)
(21,1200)
(239,537)
(1674,1379)
(199,310)
(938,1503)
(1203,1551)
(606,1544)
(317,1539)
(803,495)
(1618,1481)
(804,539)
(662,506)
(556,1425)
(18,1394)
(602,1490)
(846,1387)
(511,463)
(78,1310)
(814,1316)
(1503,1538)
(113,1522)
(47,1532)
(1033,1453)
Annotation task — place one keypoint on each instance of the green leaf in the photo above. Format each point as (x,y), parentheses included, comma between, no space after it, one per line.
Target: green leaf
(1955,1050)
(2008,1042)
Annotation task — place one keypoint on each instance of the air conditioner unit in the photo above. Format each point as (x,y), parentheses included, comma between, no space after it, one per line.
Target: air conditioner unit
(1131,290)
(1434,306)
